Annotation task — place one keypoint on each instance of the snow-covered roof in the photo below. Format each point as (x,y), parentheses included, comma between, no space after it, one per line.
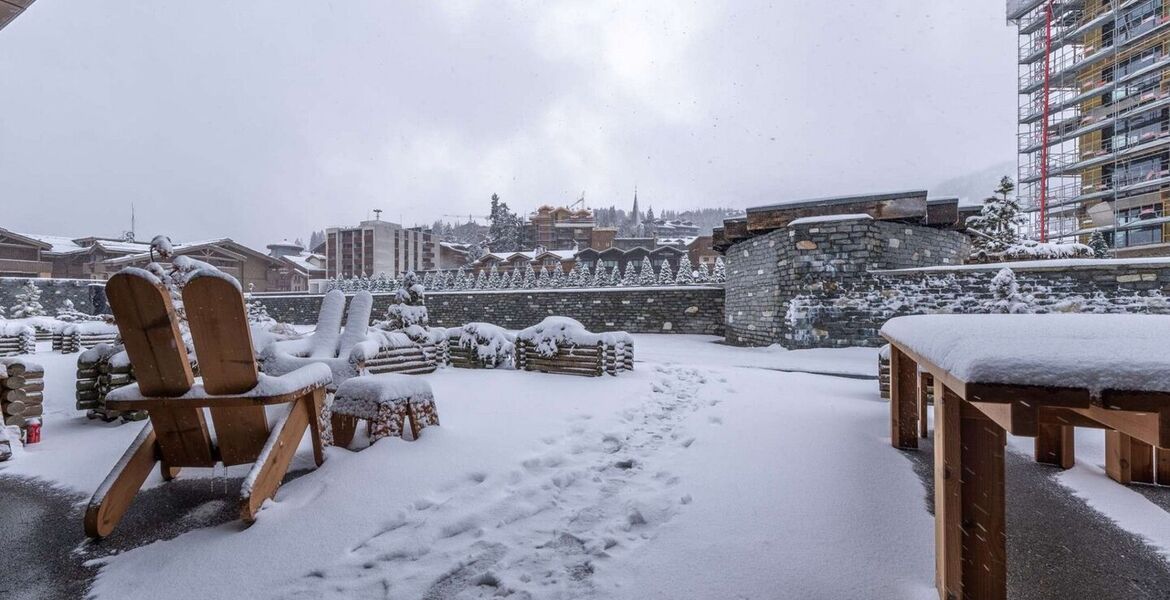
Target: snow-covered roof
(1090,351)
(684,240)
(59,244)
(303,261)
(793,203)
(830,219)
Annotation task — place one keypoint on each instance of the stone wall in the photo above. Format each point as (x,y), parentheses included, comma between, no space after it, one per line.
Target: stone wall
(54,292)
(765,272)
(672,309)
(836,314)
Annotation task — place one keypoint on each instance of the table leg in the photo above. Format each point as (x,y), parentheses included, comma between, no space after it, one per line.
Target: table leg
(925,381)
(971,544)
(903,400)
(1055,445)
(1126,460)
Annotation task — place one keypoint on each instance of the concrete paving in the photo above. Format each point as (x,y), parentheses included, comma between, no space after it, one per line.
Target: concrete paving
(1058,547)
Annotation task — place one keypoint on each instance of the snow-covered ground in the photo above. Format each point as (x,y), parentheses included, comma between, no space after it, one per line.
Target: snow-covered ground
(707,472)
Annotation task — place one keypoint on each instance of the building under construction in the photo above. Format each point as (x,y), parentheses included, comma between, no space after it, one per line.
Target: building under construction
(1094,120)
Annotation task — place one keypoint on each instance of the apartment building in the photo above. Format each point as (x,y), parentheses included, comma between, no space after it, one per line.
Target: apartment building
(1094,120)
(375,247)
(558,228)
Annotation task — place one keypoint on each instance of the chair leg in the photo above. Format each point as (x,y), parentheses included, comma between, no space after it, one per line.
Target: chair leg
(268,472)
(168,473)
(116,492)
(314,405)
(344,427)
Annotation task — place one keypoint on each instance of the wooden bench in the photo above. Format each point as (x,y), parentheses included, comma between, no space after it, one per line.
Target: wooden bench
(385,402)
(999,374)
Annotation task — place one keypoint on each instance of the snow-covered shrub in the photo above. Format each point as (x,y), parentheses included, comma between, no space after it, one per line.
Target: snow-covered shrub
(491,345)
(1098,244)
(720,274)
(1006,294)
(69,314)
(703,275)
(28,302)
(665,277)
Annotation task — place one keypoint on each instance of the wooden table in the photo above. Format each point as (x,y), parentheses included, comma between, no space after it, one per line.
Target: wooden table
(973,417)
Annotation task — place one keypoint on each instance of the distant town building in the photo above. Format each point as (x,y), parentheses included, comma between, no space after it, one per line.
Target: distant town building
(672,228)
(558,228)
(375,247)
(452,255)
(298,270)
(60,257)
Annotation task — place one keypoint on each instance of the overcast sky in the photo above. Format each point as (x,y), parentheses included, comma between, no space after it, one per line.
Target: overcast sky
(262,120)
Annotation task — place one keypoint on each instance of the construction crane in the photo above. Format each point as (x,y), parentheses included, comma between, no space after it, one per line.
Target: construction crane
(471,217)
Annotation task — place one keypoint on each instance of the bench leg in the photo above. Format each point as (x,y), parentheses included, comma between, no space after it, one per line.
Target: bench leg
(903,400)
(1162,460)
(116,492)
(925,381)
(314,404)
(1054,445)
(344,427)
(1127,459)
(268,472)
(970,540)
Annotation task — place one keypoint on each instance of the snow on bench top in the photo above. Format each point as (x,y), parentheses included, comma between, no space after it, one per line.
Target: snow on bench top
(382,388)
(1097,352)
(830,219)
(313,374)
(14,329)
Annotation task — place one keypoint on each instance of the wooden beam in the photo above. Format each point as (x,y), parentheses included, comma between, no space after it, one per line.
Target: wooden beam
(925,383)
(1117,456)
(1151,428)
(903,397)
(1017,418)
(116,493)
(1162,466)
(948,532)
(983,514)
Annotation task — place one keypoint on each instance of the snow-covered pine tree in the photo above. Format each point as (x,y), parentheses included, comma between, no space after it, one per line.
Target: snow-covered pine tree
(646,275)
(460,279)
(518,277)
(584,275)
(1099,245)
(997,225)
(720,274)
(529,277)
(481,280)
(1005,294)
(600,277)
(615,277)
(493,282)
(28,302)
(665,276)
(573,279)
(686,273)
(558,277)
(703,275)
(543,281)
(428,280)
(629,276)
(3,312)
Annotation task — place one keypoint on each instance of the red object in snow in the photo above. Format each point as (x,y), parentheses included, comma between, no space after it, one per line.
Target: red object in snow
(32,432)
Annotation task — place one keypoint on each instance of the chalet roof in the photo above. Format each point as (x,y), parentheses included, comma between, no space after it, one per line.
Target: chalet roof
(301,262)
(224,244)
(28,239)
(835,200)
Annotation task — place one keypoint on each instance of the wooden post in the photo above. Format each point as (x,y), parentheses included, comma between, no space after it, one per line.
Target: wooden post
(925,381)
(1162,473)
(1141,461)
(1117,456)
(1054,445)
(983,517)
(948,534)
(903,395)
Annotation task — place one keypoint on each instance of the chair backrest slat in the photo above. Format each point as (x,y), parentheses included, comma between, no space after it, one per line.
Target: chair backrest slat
(150,331)
(357,322)
(219,329)
(324,340)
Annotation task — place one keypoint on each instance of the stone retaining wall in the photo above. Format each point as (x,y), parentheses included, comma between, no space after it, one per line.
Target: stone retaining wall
(669,309)
(831,313)
(54,292)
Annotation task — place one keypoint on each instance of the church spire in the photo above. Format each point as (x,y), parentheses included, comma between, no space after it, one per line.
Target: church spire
(637,215)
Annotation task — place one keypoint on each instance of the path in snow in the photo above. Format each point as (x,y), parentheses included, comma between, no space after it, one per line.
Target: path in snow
(588,498)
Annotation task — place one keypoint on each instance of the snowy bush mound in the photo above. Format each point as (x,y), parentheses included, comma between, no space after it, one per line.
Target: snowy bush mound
(489,344)
(550,334)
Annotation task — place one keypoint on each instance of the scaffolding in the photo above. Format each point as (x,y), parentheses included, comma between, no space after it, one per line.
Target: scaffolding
(1094,110)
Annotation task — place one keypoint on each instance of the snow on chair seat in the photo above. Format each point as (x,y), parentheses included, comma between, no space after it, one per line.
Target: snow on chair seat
(232,392)
(384,402)
(563,345)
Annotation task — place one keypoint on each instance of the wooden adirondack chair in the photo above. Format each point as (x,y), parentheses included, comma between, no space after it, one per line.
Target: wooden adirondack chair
(232,392)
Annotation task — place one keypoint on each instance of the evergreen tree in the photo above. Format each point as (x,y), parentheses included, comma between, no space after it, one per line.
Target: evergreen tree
(686,273)
(704,274)
(646,273)
(28,302)
(1006,296)
(615,276)
(558,277)
(517,277)
(600,277)
(493,282)
(574,278)
(505,230)
(543,281)
(665,276)
(460,279)
(720,274)
(1099,245)
(481,281)
(996,227)
(529,277)
(584,277)
(448,280)
(630,275)
(428,281)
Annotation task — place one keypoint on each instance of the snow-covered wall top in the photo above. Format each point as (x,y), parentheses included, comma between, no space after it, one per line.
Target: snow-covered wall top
(54,293)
